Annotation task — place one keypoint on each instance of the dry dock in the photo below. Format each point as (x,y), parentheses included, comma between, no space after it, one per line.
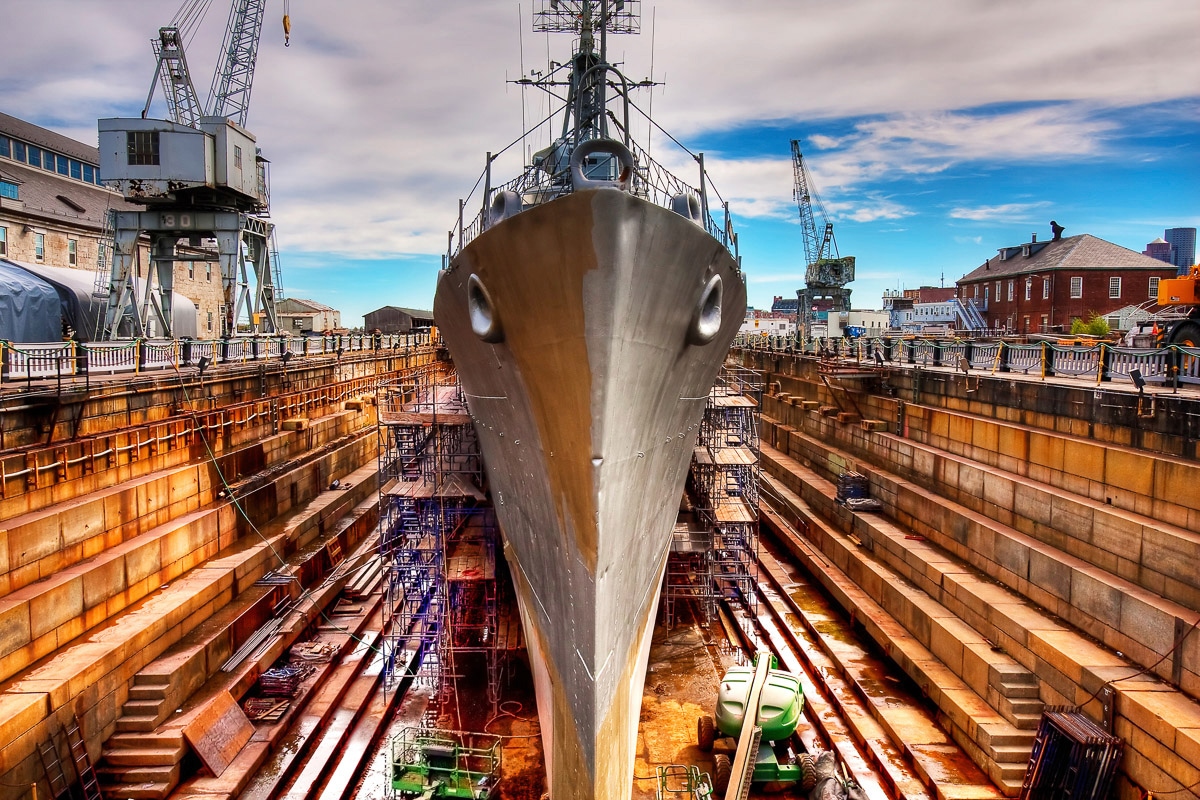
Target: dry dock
(170,539)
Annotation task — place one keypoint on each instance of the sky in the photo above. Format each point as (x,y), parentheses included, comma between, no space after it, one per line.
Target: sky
(933,131)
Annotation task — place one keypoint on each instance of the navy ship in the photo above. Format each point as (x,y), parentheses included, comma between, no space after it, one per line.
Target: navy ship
(588,310)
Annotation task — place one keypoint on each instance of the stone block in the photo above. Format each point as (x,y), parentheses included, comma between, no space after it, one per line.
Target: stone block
(34,540)
(1096,598)
(1046,450)
(143,561)
(1050,574)
(81,522)
(1013,442)
(1175,482)
(998,490)
(1129,470)
(985,435)
(56,605)
(1116,533)
(1083,459)
(19,713)
(1170,552)
(14,626)
(103,579)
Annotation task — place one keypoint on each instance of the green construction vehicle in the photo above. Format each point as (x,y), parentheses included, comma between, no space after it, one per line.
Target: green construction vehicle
(762,754)
(428,764)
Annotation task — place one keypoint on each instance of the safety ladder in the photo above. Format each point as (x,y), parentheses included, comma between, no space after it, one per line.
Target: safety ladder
(60,787)
(83,763)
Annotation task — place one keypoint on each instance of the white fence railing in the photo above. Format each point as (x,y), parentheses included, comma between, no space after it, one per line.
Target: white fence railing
(28,362)
(1098,362)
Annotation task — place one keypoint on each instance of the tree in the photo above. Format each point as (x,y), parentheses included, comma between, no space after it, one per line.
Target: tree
(1096,325)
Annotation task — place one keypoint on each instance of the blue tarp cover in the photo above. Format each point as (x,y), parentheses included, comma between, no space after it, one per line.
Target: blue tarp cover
(30,308)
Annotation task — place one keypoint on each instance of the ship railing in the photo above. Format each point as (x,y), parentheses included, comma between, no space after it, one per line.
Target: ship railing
(650,181)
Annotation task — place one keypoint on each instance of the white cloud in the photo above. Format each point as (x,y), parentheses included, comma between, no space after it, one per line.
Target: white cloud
(1008,212)
(377,118)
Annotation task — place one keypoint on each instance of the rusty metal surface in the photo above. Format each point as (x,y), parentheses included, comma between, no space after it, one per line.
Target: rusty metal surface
(218,733)
(587,411)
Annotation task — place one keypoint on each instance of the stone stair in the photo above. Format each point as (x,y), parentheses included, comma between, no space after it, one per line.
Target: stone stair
(1037,596)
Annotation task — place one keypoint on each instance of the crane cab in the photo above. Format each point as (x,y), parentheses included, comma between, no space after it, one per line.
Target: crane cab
(155,161)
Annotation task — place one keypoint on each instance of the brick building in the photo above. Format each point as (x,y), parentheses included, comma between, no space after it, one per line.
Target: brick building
(53,209)
(1042,286)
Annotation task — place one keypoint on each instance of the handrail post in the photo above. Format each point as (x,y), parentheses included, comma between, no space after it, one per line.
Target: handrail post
(703,189)
(487,189)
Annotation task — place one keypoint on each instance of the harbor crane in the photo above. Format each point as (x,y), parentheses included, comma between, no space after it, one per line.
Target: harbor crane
(826,271)
(200,175)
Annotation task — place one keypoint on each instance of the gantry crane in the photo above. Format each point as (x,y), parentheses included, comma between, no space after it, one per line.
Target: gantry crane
(826,271)
(200,175)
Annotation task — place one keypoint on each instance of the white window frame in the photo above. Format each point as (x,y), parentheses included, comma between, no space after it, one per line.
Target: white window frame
(1045,288)
(73,252)
(3,241)
(1114,288)
(1154,287)
(1011,289)
(1029,288)
(39,246)
(1076,287)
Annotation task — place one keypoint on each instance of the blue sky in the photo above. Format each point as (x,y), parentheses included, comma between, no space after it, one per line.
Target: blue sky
(935,131)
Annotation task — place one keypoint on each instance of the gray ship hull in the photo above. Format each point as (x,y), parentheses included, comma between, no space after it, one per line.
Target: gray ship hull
(586,400)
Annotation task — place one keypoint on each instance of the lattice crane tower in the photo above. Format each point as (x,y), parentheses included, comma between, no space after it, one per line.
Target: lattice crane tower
(200,176)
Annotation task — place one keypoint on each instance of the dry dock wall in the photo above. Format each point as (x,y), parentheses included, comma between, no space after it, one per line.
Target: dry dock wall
(1078,559)
(103,567)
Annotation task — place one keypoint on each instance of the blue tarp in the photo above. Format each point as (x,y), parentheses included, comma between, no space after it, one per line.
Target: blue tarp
(85,312)
(30,308)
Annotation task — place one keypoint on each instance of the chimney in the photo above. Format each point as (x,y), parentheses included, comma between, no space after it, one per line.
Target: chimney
(1034,240)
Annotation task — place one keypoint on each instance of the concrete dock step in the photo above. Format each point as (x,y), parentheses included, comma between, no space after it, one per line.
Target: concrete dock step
(1151,715)
(1121,614)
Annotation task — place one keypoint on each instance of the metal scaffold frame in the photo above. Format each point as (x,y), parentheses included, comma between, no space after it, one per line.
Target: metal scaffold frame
(437,536)
(715,546)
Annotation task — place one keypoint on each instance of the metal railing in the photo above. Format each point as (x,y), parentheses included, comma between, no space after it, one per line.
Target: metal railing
(50,360)
(1169,365)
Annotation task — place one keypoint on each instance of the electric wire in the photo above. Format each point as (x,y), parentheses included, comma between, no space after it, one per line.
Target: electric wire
(305,594)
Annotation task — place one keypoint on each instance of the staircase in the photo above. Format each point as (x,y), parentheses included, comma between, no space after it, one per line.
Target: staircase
(968,316)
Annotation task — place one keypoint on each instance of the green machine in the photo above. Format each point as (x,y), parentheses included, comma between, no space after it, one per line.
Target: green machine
(683,782)
(428,764)
(759,706)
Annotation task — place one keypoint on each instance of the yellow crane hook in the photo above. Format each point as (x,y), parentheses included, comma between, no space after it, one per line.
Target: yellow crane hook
(287,25)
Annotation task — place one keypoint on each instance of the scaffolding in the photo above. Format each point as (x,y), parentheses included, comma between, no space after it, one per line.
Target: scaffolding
(434,518)
(714,548)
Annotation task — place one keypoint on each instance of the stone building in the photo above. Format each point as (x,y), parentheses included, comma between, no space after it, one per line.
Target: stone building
(307,316)
(1042,286)
(53,208)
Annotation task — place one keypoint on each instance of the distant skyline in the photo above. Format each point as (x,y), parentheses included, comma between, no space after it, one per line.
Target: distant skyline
(934,131)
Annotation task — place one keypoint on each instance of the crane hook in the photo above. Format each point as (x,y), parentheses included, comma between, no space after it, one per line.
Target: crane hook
(287,31)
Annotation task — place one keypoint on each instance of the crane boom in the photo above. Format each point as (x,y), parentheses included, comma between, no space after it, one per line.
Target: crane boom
(172,71)
(816,247)
(230,94)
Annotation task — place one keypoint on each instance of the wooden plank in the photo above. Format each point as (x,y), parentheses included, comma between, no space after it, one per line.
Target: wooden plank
(219,732)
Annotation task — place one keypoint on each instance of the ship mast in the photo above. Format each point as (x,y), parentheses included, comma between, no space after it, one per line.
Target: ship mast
(586,112)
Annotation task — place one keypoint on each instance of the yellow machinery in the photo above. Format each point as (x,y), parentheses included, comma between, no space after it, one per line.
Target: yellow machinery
(1184,290)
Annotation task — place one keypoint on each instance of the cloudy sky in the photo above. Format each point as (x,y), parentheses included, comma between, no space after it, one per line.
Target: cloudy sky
(935,131)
